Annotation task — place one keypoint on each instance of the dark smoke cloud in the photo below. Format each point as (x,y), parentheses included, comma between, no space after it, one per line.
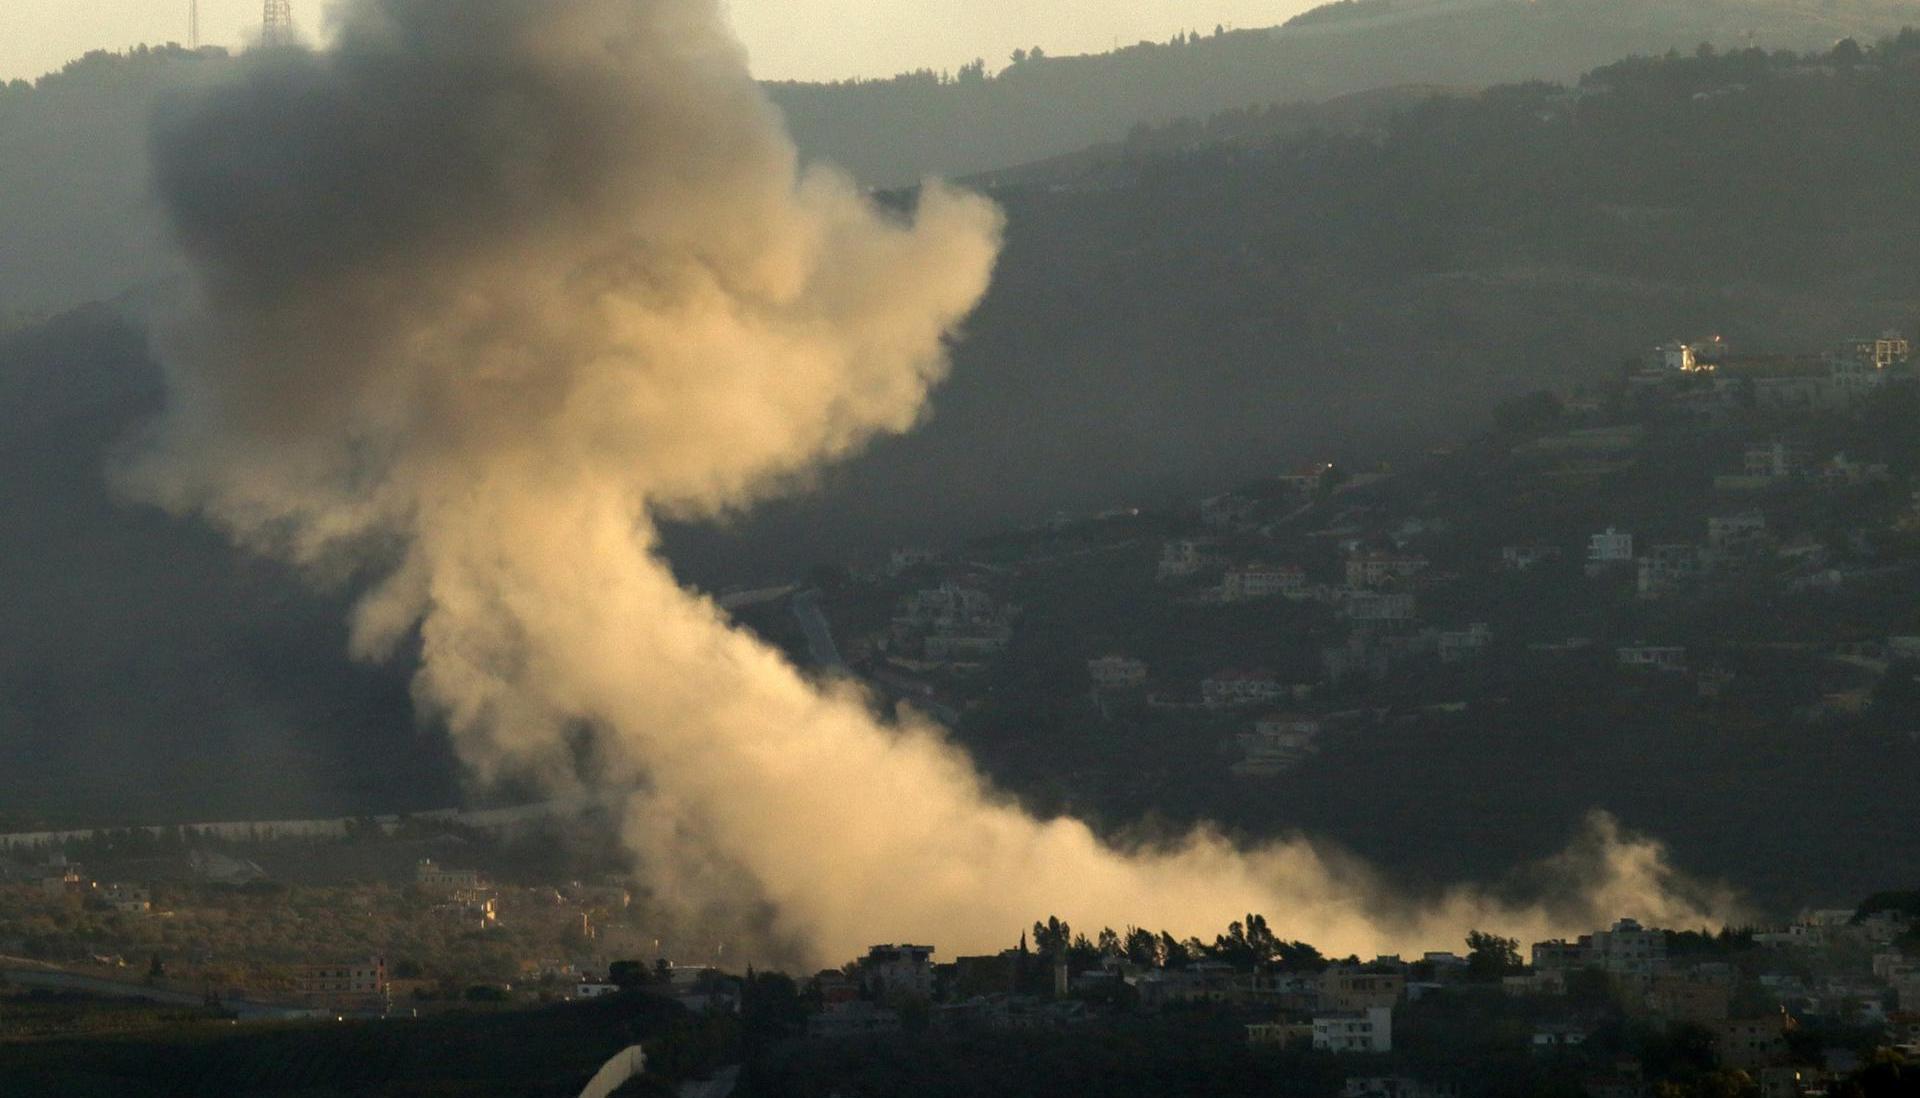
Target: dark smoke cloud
(492,285)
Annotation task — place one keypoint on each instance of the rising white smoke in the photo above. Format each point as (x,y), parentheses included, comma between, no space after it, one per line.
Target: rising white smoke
(489,285)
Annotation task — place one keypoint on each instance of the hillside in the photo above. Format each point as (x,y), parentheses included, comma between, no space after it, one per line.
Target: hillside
(77,225)
(1169,320)
(1186,320)
(145,666)
(894,131)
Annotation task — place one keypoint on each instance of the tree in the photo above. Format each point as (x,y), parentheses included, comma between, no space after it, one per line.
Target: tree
(1490,956)
(1174,953)
(627,974)
(1143,947)
(771,1007)
(1246,944)
(1019,57)
(1052,938)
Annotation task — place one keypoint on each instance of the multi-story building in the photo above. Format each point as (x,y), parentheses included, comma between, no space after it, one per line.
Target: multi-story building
(1608,549)
(1459,646)
(349,985)
(1559,955)
(895,972)
(1369,1030)
(1689,1000)
(1379,569)
(1666,567)
(1747,1044)
(1775,460)
(1179,557)
(1261,581)
(1736,532)
(1628,949)
(1882,352)
(1349,988)
(431,874)
(1379,606)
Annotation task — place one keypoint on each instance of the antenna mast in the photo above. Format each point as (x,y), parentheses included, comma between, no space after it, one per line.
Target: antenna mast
(193,24)
(276,24)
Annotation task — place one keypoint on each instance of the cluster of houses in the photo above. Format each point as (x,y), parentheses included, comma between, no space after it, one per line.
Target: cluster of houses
(60,877)
(952,624)
(1708,376)
(1350,575)
(461,895)
(1750,1003)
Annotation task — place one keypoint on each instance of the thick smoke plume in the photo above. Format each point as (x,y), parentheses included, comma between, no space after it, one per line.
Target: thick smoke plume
(490,284)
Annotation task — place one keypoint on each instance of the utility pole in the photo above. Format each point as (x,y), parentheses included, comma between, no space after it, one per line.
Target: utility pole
(276,24)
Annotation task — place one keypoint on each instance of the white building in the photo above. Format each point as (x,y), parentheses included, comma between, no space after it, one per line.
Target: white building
(1226,511)
(1652,657)
(594,989)
(1668,566)
(906,557)
(1179,557)
(1370,1030)
(948,606)
(1278,743)
(1116,672)
(1379,606)
(1306,479)
(1378,569)
(1231,689)
(1261,581)
(1459,646)
(1741,530)
(1774,460)
(1521,558)
(1609,548)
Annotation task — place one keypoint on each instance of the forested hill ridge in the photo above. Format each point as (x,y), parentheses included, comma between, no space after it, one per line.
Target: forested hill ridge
(895,131)
(1162,321)
(77,224)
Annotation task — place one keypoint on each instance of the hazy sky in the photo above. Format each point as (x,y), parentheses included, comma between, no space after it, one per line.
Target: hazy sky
(807,39)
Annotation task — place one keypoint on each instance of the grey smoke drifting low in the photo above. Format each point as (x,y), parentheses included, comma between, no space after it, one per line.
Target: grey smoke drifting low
(492,283)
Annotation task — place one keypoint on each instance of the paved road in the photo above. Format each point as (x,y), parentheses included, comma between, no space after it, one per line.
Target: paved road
(806,607)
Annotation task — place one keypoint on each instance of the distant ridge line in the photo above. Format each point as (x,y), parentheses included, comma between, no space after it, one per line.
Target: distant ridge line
(332,827)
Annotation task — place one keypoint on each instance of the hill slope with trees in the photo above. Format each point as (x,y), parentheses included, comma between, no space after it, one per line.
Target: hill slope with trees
(77,224)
